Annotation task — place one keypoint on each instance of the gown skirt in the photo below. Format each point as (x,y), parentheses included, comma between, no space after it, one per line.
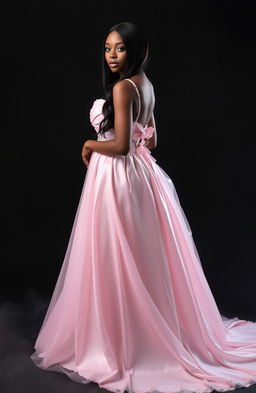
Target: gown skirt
(132,309)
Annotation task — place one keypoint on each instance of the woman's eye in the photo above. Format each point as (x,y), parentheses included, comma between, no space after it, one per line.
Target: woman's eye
(120,49)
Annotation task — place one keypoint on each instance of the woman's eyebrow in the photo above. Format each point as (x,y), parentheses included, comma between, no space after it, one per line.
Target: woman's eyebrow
(121,42)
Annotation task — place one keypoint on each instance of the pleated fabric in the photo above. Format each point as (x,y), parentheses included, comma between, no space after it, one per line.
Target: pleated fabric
(132,309)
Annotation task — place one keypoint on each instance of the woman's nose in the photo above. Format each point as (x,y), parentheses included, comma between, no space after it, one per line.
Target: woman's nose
(113,54)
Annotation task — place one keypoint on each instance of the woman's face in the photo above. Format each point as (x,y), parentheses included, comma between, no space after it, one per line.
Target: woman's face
(115,52)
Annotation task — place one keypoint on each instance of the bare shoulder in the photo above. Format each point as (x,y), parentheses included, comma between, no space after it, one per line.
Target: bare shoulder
(149,81)
(142,79)
(150,84)
(151,88)
(123,89)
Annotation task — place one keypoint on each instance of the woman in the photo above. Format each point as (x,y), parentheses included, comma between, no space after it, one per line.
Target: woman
(132,309)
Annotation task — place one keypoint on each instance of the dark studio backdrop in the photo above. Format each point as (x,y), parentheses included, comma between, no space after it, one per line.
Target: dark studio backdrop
(202,66)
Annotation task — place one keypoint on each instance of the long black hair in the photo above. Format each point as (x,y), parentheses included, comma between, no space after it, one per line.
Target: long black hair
(136,46)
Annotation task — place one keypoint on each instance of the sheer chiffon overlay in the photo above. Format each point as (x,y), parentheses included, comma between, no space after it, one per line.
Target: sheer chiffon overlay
(132,309)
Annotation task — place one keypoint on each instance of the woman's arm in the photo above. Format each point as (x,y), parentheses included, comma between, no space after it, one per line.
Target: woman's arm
(123,95)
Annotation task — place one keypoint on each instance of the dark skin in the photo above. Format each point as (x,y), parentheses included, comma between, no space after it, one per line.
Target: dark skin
(124,97)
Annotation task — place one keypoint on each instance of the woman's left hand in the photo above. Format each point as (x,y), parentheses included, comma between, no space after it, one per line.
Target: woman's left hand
(86,154)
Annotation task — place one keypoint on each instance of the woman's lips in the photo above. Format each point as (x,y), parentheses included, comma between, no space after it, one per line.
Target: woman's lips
(113,64)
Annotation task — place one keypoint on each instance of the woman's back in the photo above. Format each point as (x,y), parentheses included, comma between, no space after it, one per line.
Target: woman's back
(147,97)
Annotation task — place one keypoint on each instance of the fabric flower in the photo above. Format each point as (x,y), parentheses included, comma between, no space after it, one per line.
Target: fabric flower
(96,115)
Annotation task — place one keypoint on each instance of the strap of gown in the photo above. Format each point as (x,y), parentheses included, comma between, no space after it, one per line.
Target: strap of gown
(138,94)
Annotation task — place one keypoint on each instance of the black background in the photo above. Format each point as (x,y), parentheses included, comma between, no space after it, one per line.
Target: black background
(202,66)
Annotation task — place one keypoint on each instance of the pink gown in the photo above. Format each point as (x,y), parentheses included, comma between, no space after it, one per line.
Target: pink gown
(132,309)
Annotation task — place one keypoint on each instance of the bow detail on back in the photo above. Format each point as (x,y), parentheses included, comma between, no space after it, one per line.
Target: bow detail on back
(142,134)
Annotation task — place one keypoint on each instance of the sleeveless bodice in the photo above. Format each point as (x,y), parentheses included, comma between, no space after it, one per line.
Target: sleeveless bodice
(139,133)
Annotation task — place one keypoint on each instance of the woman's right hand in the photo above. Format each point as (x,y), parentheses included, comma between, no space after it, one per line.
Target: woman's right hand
(86,154)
